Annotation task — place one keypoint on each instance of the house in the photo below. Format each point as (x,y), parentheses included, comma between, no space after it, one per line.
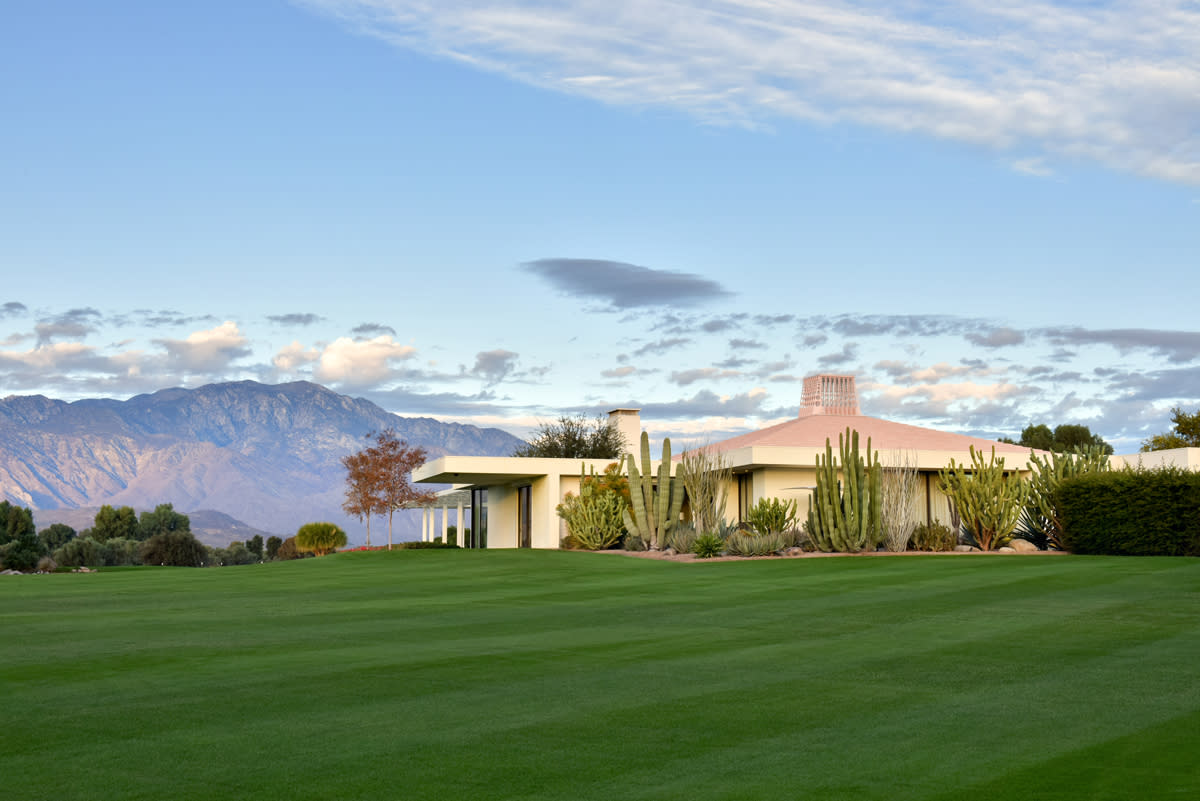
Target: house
(510,501)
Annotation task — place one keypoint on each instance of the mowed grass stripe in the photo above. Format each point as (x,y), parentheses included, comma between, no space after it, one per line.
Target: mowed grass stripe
(552,675)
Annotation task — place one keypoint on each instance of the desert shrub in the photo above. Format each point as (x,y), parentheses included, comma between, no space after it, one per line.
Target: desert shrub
(177,548)
(1132,513)
(595,517)
(427,546)
(80,552)
(772,516)
(236,554)
(633,542)
(899,485)
(707,546)
(748,543)
(120,551)
(933,537)
(705,473)
(320,539)
(47,564)
(682,538)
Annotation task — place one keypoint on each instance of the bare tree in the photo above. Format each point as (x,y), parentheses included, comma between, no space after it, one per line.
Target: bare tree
(898,514)
(394,462)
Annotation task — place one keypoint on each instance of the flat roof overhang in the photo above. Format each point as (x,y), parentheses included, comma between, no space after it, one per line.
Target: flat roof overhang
(495,470)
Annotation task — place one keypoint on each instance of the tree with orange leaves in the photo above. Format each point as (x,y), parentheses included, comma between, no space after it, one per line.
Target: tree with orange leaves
(379,479)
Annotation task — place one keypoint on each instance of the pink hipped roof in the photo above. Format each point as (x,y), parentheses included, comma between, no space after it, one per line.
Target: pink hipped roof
(813,430)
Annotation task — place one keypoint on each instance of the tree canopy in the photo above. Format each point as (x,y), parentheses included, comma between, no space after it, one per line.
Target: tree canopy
(1063,438)
(379,478)
(114,524)
(162,520)
(575,438)
(1184,434)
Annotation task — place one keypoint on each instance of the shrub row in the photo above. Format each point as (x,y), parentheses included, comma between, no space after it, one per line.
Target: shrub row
(1132,513)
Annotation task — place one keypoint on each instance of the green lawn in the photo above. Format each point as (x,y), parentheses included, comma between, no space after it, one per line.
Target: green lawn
(543,675)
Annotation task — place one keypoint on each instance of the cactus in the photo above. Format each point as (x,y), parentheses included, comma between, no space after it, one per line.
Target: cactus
(653,507)
(846,518)
(1041,520)
(989,501)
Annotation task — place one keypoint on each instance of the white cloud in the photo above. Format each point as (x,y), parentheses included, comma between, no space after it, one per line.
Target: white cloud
(294,356)
(1116,83)
(361,362)
(207,351)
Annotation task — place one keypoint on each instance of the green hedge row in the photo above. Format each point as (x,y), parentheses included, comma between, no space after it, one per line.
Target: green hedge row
(1132,513)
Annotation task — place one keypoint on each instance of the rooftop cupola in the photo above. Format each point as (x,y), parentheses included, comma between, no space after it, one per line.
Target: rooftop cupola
(829,394)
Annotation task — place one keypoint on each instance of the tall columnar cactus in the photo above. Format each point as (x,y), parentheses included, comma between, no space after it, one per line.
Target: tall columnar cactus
(846,518)
(653,507)
(1042,518)
(989,501)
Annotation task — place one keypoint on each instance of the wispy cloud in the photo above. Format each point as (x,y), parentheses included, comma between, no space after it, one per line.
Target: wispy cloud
(625,286)
(12,308)
(295,318)
(1176,346)
(1123,94)
(368,330)
(493,366)
(72,324)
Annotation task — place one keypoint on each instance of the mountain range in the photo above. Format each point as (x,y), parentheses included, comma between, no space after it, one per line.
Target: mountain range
(268,457)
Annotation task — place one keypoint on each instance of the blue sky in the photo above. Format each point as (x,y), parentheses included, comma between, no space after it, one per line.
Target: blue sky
(500,212)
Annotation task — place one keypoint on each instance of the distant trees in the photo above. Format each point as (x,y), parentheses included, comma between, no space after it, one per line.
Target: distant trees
(163,520)
(255,545)
(1063,438)
(379,479)
(320,538)
(1184,434)
(20,547)
(575,438)
(273,545)
(111,523)
(173,547)
(55,536)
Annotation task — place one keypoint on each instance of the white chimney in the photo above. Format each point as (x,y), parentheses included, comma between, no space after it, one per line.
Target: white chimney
(629,423)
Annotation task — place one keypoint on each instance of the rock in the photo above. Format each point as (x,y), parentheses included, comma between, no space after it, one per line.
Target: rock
(965,548)
(793,551)
(1005,549)
(670,552)
(1023,546)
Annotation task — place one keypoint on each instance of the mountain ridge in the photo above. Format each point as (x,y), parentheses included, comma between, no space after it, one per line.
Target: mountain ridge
(267,455)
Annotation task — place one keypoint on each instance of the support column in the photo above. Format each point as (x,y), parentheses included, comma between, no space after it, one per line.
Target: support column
(462,536)
(445,523)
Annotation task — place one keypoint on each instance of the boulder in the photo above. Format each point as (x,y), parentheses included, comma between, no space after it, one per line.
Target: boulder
(965,548)
(1023,546)
(1005,549)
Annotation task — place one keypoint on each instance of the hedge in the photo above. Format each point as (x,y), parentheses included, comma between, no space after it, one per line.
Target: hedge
(1132,513)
